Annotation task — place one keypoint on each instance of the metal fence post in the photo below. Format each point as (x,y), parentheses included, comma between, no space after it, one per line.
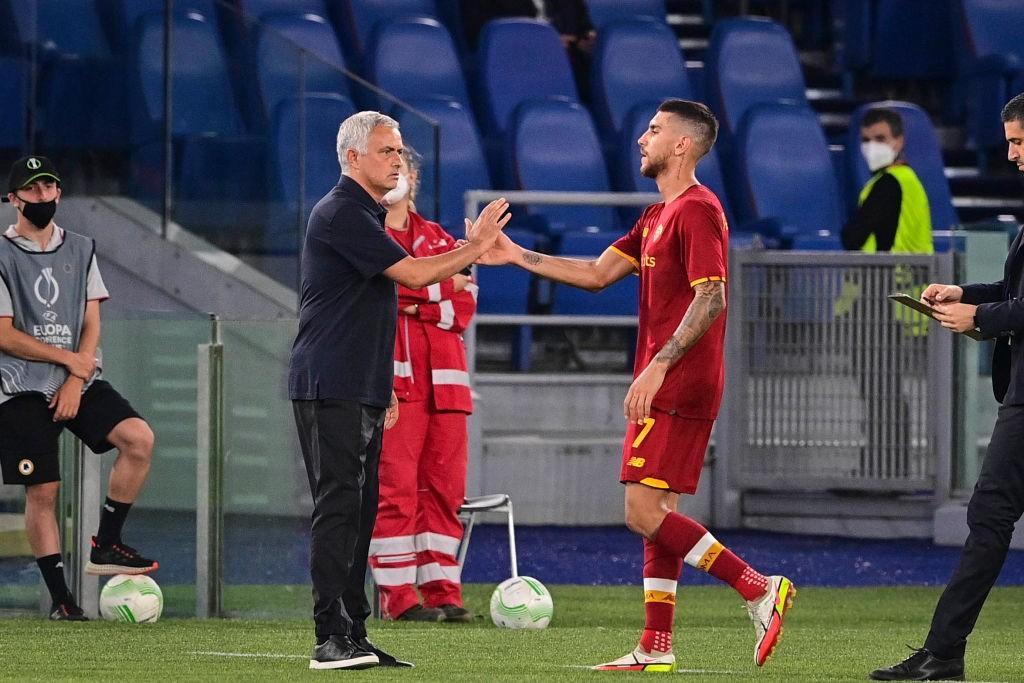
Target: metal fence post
(210,476)
(79,504)
(941,410)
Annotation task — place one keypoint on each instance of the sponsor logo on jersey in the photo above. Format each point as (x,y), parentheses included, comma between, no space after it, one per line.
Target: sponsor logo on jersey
(647,261)
(636,462)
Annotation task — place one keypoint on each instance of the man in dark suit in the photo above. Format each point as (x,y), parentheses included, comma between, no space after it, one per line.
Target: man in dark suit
(997,309)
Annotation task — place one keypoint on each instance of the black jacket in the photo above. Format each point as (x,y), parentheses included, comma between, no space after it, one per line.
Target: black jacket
(1000,314)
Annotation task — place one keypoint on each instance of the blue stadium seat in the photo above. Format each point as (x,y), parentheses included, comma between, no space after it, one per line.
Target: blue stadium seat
(413,58)
(750,61)
(14,94)
(324,112)
(619,299)
(462,159)
(923,152)
(555,147)
(520,60)
(604,12)
(357,19)
(278,63)
(709,168)
(926,51)
(634,62)
(790,185)
(120,17)
(993,69)
(264,8)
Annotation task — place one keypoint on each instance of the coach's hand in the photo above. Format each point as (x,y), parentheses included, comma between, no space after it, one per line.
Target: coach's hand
(489,224)
(391,416)
(80,364)
(637,406)
(67,399)
(956,317)
(941,294)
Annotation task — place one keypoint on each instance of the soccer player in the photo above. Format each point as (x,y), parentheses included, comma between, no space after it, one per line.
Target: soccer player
(679,248)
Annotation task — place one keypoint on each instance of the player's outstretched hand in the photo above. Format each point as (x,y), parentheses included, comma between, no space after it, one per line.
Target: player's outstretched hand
(489,223)
(503,251)
(941,294)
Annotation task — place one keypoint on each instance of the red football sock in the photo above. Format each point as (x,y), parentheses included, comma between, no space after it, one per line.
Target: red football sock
(661,572)
(698,548)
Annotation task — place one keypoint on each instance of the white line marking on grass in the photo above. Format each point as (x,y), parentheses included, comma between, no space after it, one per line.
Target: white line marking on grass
(713,672)
(248,654)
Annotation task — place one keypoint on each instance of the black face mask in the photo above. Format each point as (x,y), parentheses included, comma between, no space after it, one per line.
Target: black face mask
(39,214)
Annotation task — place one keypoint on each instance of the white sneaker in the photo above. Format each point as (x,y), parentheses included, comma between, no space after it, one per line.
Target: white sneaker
(638,660)
(767,614)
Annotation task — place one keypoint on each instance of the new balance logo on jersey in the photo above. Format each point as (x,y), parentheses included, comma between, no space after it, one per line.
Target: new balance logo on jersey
(636,462)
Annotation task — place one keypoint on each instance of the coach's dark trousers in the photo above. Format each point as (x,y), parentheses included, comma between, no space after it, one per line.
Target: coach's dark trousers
(996,505)
(340,443)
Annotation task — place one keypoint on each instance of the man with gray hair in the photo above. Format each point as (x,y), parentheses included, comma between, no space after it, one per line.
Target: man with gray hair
(340,379)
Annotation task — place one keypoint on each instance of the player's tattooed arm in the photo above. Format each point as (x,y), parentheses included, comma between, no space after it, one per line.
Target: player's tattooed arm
(708,303)
(532,258)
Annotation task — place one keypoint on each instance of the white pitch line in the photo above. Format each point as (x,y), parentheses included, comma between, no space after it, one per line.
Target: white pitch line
(248,654)
(713,672)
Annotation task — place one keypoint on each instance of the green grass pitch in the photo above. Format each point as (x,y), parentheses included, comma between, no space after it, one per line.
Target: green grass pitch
(831,635)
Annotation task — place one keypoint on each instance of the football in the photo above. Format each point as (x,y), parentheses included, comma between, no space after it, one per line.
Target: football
(131,599)
(521,602)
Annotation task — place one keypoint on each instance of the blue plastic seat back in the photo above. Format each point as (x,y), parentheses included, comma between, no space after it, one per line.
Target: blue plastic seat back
(620,298)
(360,18)
(634,62)
(278,62)
(324,113)
(503,289)
(923,152)
(463,166)
(993,27)
(122,16)
(413,58)
(263,8)
(927,51)
(66,28)
(604,12)
(555,147)
(201,87)
(786,170)
(519,60)
(751,61)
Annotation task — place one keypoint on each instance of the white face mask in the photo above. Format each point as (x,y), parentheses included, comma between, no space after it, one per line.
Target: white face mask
(877,154)
(399,193)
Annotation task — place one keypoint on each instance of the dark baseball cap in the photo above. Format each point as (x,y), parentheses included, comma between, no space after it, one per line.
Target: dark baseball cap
(27,170)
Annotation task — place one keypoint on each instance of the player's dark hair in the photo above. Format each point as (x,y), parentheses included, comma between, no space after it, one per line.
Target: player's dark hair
(699,115)
(1014,110)
(884,115)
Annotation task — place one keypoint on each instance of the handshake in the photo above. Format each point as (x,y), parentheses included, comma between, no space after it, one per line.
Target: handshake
(486,233)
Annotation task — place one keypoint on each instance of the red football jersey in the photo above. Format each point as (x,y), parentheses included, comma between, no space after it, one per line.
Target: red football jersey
(674,247)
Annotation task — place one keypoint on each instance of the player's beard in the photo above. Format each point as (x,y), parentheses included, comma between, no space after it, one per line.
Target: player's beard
(653,168)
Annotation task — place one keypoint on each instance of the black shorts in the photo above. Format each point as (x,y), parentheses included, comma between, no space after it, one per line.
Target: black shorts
(29,437)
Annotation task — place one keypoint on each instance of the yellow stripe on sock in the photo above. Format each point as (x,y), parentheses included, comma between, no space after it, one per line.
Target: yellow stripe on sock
(709,557)
(660,596)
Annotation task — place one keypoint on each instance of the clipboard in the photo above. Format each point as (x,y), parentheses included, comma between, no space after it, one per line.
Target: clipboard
(921,307)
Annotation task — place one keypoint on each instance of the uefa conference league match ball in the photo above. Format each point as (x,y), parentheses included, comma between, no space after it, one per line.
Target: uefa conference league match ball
(521,602)
(131,599)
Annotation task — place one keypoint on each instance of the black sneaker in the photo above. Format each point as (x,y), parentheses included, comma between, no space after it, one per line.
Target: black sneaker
(420,613)
(384,658)
(922,666)
(67,611)
(459,615)
(117,558)
(339,652)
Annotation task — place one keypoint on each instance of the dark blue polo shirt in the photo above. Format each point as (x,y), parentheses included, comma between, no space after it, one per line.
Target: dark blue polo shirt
(346,341)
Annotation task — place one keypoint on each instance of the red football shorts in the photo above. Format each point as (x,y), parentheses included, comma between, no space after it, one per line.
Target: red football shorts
(666,452)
